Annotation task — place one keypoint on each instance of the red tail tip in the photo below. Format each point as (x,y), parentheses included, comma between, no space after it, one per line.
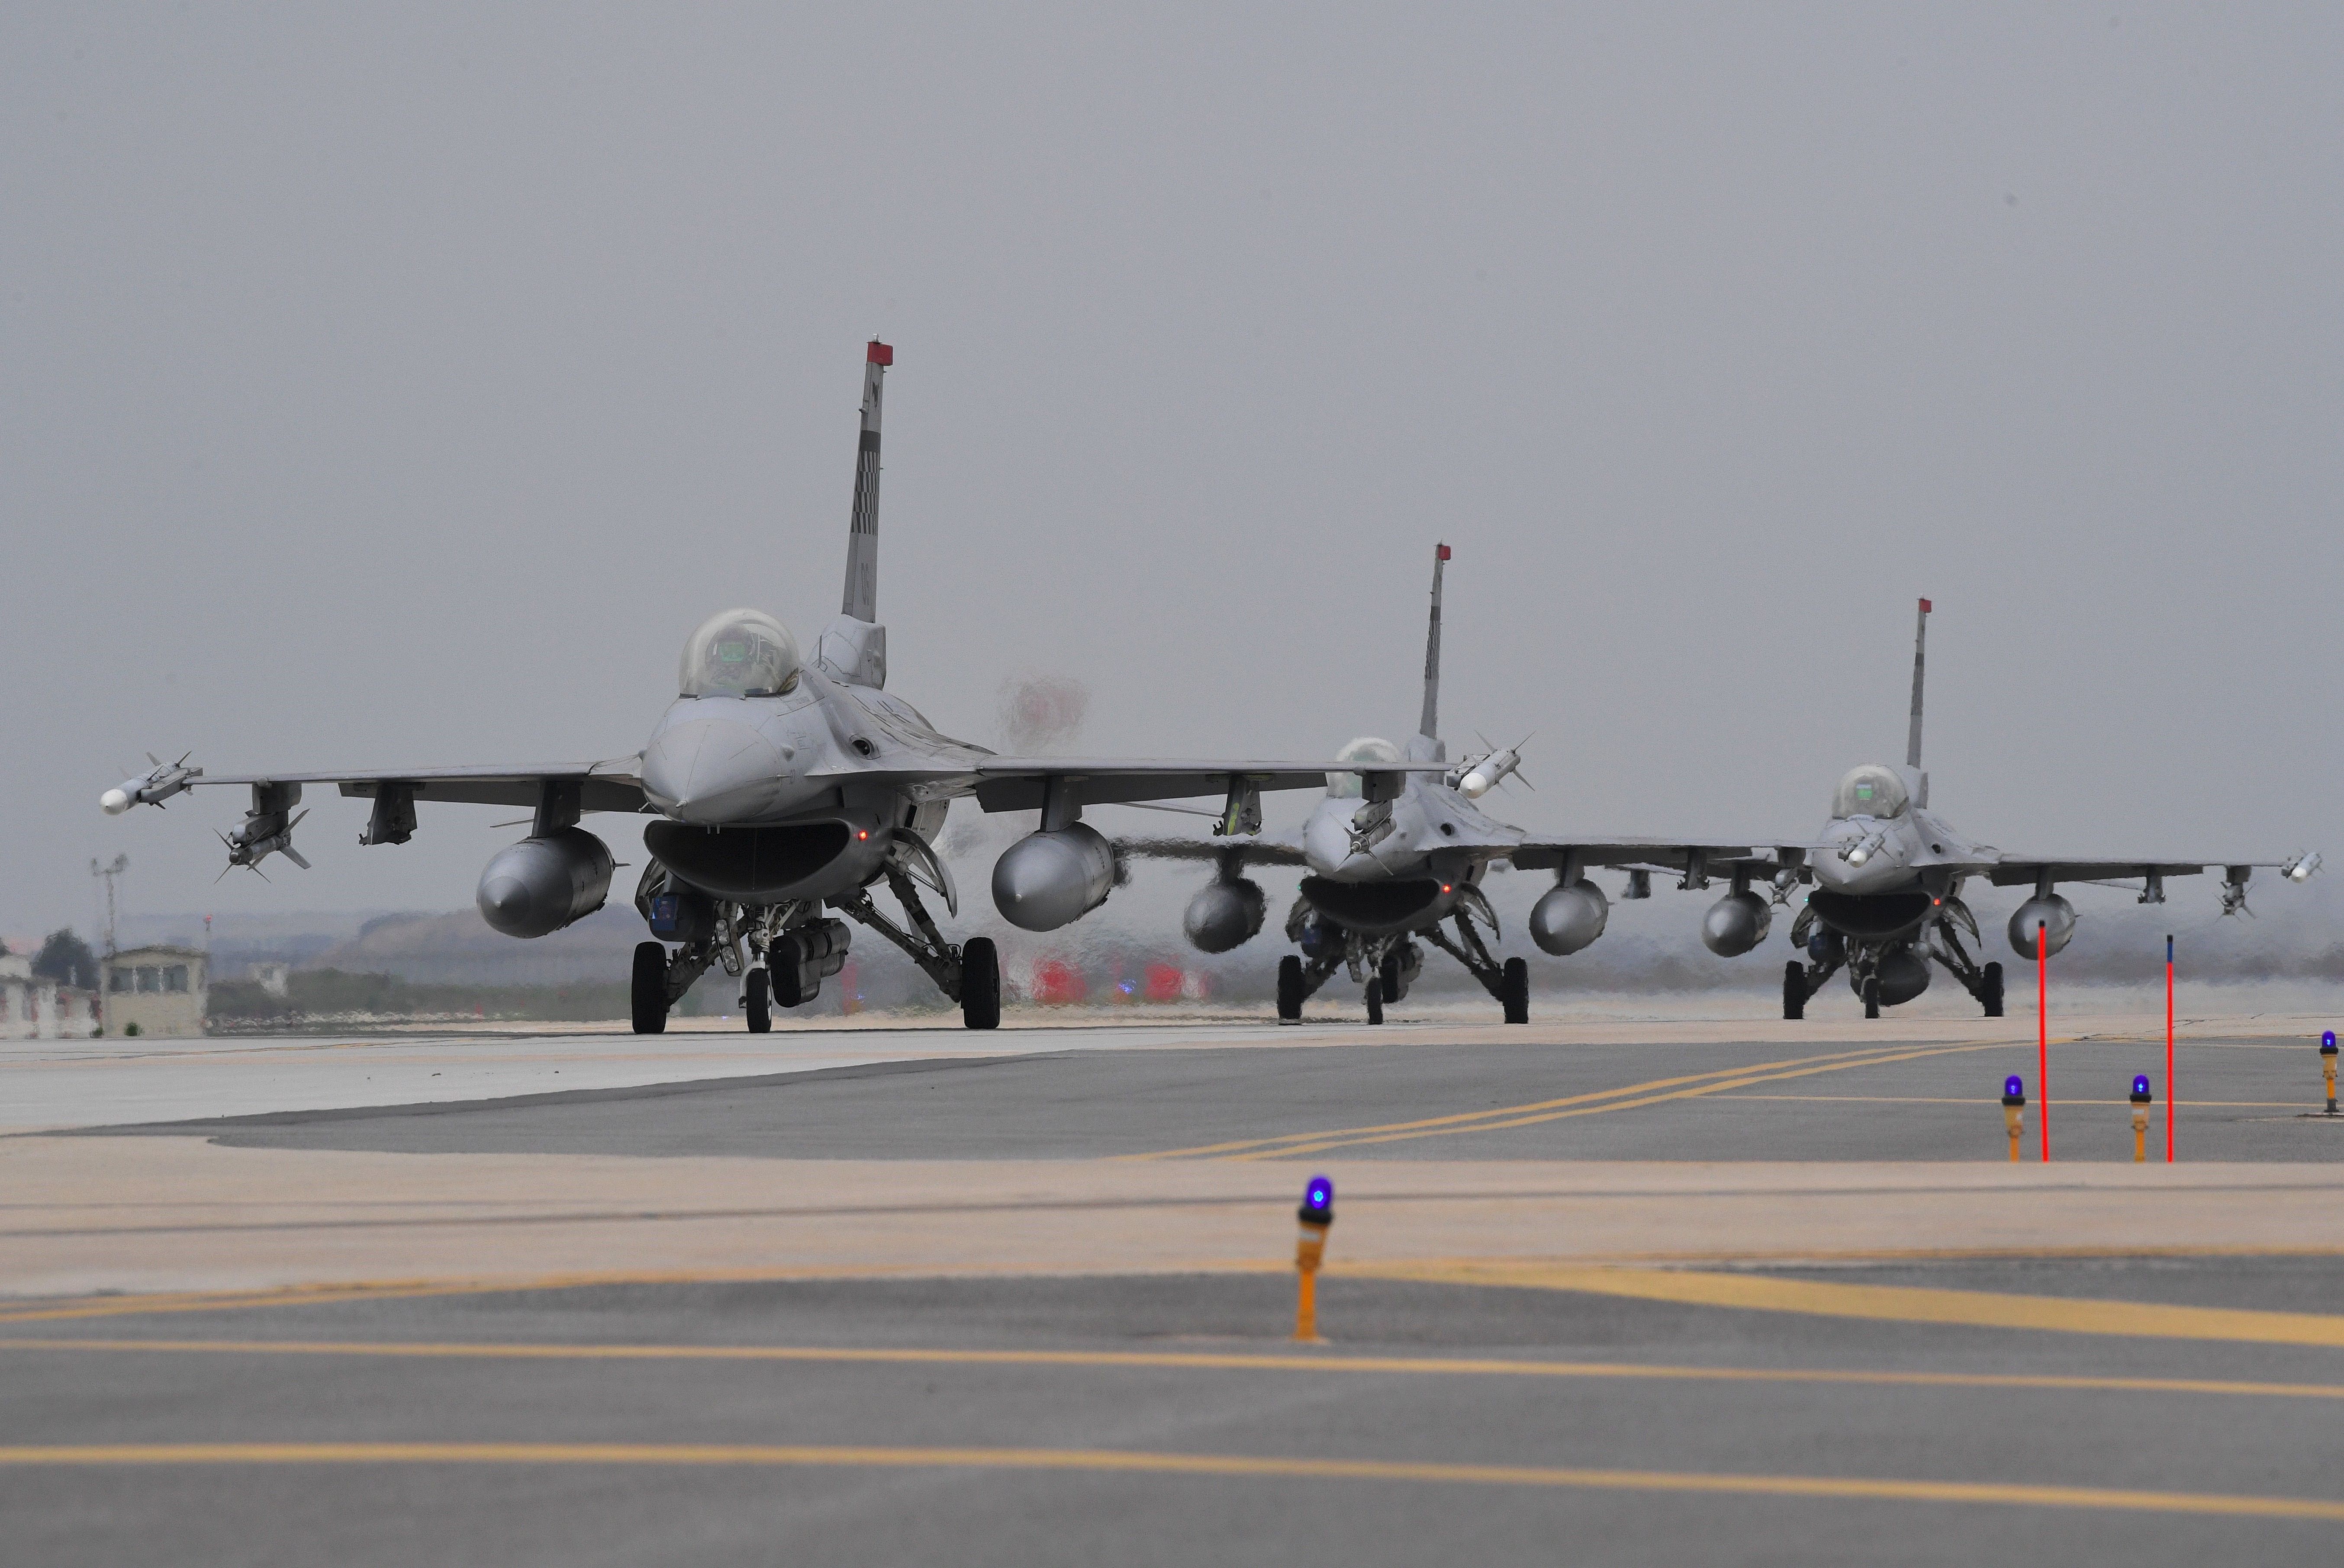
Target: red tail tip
(881,354)
(1444,551)
(1925,607)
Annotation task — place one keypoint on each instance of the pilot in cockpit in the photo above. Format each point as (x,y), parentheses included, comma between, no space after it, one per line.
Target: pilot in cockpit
(739,653)
(1871,790)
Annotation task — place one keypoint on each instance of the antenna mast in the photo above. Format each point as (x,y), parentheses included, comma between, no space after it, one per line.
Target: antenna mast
(107,874)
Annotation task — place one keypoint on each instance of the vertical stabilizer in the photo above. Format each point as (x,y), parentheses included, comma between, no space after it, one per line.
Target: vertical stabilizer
(861,599)
(1920,651)
(1430,726)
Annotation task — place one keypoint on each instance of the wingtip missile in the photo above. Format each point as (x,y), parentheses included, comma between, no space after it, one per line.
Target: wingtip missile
(150,789)
(1486,772)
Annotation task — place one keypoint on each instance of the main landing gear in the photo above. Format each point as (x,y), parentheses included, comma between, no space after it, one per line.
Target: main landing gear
(1510,981)
(783,952)
(1800,981)
(1386,975)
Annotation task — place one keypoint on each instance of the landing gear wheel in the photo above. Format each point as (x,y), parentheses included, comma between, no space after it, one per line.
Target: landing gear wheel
(1514,992)
(1376,1000)
(650,993)
(1290,988)
(1872,998)
(756,1001)
(980,984)
(1795,990)
(1990,991)
(1390,976)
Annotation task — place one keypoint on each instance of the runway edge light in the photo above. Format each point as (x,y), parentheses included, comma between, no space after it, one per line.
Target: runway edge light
(1315,1217)
(2328,1066)
(2140,1099)
(2014,1112)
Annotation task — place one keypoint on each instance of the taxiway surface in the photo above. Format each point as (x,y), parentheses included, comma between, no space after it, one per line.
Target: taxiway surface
(1601,1292)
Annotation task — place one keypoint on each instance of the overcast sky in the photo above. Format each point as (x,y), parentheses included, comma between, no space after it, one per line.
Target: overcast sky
(401,384)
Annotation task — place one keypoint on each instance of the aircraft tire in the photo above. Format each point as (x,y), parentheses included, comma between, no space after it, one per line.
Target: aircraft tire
(1991,988)
(980,984)
(1389,976)
(758,1001)
(1872,998)
(1514,992)
(649,993)
(1290,988)
(1795,990)
(1376,1000)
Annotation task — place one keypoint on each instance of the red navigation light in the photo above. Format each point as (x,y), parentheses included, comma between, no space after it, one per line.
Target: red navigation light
(863,832)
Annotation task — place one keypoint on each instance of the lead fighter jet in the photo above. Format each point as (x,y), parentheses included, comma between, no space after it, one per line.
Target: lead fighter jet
(1392,855)
(1888,876)
(781,788)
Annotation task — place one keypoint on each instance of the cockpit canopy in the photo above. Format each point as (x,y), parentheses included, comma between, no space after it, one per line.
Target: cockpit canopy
(739,653)
(1365,748)
(1871,790)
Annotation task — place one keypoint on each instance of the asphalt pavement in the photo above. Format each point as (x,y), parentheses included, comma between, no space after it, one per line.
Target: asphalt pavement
(1599,1295)
(2245,1097)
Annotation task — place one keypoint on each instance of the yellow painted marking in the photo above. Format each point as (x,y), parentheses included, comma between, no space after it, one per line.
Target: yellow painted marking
(1622,1274)
(329,1294)
(1744,1078)
(1464,1116)
(1131,1462)
(1886,1303)
(1182,1360)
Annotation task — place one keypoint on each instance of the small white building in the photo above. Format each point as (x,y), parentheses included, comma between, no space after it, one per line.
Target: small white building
(31,1008)
(163,990)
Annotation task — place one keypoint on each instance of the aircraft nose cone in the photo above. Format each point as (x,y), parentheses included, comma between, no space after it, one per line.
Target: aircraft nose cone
(711,770)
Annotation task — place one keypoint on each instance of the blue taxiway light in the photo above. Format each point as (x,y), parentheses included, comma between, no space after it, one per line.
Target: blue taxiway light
(1319,1196)
(2140,1083)
(2013,1086)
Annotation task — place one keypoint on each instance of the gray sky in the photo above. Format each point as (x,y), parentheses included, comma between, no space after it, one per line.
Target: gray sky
(402,384)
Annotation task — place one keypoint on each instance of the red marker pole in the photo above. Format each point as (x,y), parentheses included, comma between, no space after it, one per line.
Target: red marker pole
(2043,1029)
(2168,1051)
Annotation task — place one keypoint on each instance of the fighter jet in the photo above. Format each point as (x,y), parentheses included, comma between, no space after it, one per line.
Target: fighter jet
(1888,875)
(1391,856)
(781,787)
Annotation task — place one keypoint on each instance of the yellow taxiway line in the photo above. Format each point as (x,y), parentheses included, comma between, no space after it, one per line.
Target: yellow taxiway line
(1624,1097)
(1183,1360)
(1687,1287)
(1131,1461)
(1881,1304)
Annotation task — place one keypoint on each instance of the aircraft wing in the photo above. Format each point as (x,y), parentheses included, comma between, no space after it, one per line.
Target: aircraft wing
(1650,854)
(2026,871)
(1242,851)
(610,786)
(1017,783)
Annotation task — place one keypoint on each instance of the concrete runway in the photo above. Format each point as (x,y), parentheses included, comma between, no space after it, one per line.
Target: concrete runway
(1605,1292)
